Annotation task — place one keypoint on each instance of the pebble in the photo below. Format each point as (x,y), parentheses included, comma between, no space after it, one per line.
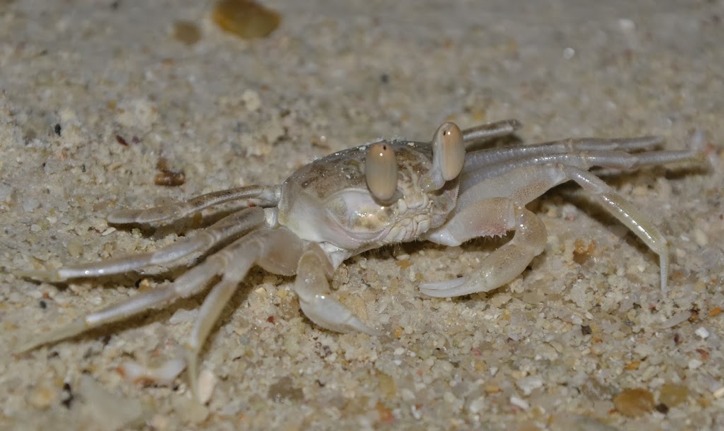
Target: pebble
(702,332)
(190,410)
(529,384)
(519,402)
(163,375)
(245,18)
(251,100)
(186,32)
(476,406)
(42,396)
(673,394)
(700,237)
(719,393)
(634,402)
(694,364)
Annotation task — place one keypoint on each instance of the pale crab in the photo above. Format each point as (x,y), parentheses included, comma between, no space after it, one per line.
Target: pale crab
(385,192)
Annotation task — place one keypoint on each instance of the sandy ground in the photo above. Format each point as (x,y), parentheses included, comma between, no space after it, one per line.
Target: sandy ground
(94,93)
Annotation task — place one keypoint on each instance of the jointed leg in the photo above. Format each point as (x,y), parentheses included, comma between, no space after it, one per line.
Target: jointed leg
(231,264)
(166,214)
(475,136)
(572,146)
(315,296)
(237,259)
(485,218)
(627,214)
(528,182)
(190,283)
(495,164)
(493,167)
(227,228)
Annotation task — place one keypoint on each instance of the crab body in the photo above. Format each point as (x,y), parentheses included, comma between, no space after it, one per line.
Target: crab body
(328,202)
(366,197)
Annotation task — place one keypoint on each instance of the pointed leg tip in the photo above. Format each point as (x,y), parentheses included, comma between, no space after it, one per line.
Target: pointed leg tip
(70,330)
(121,217)
(358,325)
(192,373)
(34,343)
(372,332)
(26,347)
(443,289)
(49,276)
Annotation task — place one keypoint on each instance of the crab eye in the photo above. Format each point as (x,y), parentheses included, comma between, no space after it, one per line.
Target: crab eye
(381,171)
(450,151)
(448,155)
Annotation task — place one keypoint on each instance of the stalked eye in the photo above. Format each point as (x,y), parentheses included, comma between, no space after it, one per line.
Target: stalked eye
(381,171)
(449,150)
(448,156)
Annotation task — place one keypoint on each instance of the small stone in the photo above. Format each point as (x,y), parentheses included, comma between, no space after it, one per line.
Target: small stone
(245,18)
(718,393)
(75,248)
(700,237)
(702,332)
(673,394)
(662,408)
(284,389)
(634,402)
(519,402)
(529,384)
(159,422)
(476,405)
(694,364)
(387,385)
(251,100)
(186,32)
(528,426)
(42,396)
(190,410)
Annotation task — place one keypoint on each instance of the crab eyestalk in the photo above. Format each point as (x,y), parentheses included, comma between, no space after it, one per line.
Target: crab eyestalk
(381,172)
(448,156)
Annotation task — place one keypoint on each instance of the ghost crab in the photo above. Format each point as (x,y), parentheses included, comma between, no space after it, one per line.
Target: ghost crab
(385,192)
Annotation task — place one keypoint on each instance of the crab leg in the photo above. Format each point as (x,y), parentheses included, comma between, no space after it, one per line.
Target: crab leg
(315,297)
(229,227)
(471,178)
(485,218)
(478,159)
(231,264)
(528,183)
(480,134)
(627,214)
(190,283)
(167,214)
(278,245)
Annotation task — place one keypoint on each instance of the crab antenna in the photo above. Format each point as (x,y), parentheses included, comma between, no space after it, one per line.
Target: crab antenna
(448,156)
(381,171)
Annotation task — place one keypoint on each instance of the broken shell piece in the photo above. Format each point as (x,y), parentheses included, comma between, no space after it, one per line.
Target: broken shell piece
(141,374)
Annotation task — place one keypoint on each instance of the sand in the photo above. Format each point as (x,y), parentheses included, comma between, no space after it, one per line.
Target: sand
(94,94)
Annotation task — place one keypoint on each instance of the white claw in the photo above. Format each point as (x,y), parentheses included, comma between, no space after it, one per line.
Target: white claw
(448,155)
(381,171)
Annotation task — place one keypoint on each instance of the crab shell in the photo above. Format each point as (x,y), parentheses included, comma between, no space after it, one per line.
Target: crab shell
(328,201)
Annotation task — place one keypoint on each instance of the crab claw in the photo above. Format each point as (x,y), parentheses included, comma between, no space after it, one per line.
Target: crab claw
(448,156)
(381,171)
